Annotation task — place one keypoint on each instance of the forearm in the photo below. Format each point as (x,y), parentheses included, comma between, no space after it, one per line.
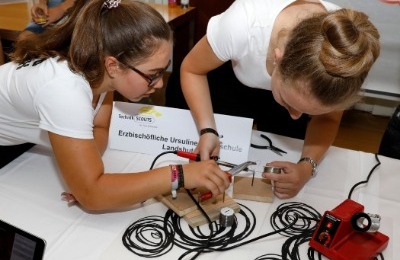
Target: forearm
(101,138)
(102,123)
(197,95)
(200,60)
(132,189)
(321,133)
(83,172)
(66,5)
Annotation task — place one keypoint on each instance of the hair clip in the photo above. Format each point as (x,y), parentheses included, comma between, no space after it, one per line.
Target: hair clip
(111,3)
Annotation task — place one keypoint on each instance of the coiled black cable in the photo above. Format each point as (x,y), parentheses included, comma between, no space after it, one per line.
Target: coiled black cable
(149,237)
(167,231)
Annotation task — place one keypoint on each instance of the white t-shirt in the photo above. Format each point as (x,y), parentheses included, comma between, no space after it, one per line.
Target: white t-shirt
(41,96)
(242,34)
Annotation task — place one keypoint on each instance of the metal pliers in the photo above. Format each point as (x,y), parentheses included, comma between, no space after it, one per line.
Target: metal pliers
(240,167)
(232,172)
(269,147)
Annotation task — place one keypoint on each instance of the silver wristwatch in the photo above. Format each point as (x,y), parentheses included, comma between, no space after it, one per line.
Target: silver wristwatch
(313,164)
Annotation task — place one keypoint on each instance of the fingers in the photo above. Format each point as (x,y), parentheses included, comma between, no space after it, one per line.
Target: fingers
(204,155)
(283,188)
(216,180)
(206,174)
(208,146)
(283,195)
(39,11)
(288,183)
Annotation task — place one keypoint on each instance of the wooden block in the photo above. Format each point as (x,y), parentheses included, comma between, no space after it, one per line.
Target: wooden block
(212,207)
(184,207)
(260,191)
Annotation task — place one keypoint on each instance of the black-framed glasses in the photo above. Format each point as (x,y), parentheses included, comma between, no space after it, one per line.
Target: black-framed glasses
(151,79)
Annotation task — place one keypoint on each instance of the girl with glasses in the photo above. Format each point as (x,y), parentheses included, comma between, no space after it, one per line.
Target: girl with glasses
(58,91)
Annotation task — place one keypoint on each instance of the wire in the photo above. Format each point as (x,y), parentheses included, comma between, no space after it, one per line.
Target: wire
(368,177)
(206,245)
(137,236)
(158,156)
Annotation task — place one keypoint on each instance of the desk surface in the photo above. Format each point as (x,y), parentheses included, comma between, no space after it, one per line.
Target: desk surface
(13,19)
(15,16)
(30,189)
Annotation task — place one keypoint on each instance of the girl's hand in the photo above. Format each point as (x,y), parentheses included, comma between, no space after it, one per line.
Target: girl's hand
(291,180)
(206,174)
(208,146)
(39,12)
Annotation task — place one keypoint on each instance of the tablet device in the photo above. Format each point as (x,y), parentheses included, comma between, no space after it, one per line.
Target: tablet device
(17,244)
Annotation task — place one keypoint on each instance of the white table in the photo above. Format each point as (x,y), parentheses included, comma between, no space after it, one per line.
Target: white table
(30,189)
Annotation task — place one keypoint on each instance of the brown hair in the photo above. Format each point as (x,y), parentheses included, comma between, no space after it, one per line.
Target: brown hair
(333,52)
(93,31)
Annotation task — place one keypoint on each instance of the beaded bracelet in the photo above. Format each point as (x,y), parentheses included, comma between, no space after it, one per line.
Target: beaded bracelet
(181,180)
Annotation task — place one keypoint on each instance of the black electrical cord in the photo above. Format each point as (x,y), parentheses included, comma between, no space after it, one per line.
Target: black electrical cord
(378,162)
(206,245)
(158,156)
(136,239)
(368,177)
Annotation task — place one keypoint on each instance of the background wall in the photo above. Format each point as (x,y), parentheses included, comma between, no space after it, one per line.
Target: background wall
(383,81)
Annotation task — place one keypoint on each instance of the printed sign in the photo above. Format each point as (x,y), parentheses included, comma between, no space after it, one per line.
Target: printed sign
(154,129)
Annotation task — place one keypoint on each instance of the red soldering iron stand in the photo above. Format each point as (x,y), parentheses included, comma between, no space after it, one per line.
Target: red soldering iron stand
(347,233)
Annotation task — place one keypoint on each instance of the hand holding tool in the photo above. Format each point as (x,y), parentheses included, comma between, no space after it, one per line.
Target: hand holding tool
(188,155)
(232,172)
(196,157)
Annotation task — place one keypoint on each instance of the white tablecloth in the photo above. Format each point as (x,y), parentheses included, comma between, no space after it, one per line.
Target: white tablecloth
(30,189)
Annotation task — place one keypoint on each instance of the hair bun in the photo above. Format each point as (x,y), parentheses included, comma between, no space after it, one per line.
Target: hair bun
(351,43)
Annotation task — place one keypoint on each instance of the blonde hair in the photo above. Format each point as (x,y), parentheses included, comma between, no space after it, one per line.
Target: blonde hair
(333,52)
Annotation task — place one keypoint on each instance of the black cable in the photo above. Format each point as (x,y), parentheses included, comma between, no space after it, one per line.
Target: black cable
(368,177)
(200,249)
(168,231)
(136,237)
(158,156)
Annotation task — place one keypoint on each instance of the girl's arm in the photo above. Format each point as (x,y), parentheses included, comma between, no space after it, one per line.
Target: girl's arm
(81,167)
(200,60)
(102,123)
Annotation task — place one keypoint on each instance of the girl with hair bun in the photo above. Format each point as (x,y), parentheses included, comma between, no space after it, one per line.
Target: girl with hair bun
(58,90)
(304,59)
